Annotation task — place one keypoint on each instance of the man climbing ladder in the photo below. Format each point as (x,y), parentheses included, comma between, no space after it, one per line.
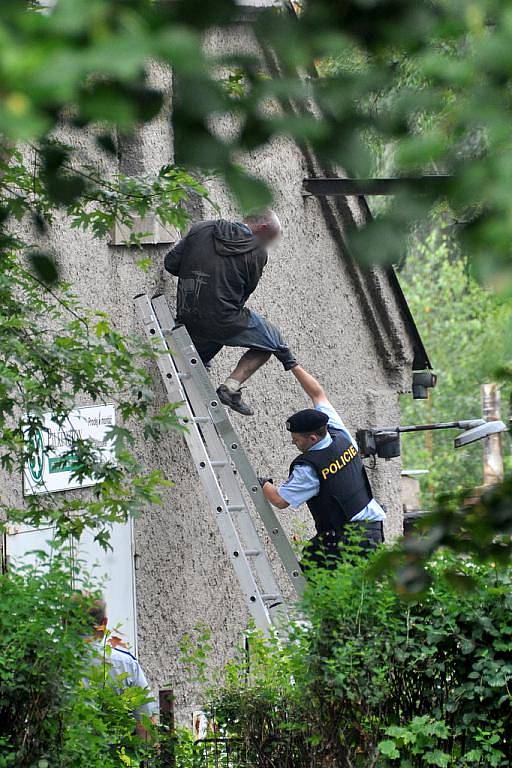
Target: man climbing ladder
(330,477)
(219,265)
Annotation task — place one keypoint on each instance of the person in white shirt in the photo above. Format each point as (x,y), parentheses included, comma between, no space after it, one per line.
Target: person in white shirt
(120,665)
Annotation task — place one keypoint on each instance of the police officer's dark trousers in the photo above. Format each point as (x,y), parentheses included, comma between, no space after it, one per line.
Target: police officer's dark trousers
(325,549)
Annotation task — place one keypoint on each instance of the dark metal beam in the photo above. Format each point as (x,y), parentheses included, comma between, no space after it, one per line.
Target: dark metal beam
(337,186)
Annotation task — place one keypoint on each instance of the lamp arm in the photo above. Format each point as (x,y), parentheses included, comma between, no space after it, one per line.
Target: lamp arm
(468,424)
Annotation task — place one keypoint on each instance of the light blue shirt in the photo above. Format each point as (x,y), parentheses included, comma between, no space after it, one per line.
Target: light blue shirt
(125,671)
(303,483)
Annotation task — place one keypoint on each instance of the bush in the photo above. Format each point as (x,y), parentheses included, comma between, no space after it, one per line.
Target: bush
(49,716)
(371,680)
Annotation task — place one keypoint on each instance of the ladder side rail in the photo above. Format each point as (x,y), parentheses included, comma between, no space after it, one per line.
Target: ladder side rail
(232,441)
(231,488)
(218,453)
(194,441)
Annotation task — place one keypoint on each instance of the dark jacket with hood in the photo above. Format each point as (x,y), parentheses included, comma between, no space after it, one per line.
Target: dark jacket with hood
(219,264)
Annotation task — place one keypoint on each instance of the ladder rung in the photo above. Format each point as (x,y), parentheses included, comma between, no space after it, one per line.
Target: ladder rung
(213,447)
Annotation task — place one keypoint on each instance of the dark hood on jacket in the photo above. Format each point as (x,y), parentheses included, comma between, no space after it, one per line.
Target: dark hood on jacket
(233,239)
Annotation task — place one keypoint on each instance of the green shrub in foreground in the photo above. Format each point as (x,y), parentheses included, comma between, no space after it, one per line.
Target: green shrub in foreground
(49,718)
(375,681)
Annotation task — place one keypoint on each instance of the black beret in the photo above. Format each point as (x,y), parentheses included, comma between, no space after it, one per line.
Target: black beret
(307,420)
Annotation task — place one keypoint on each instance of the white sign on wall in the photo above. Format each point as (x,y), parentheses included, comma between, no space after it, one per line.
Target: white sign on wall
(53,462)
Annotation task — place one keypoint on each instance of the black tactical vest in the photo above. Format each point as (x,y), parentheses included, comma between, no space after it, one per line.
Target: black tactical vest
(344,486)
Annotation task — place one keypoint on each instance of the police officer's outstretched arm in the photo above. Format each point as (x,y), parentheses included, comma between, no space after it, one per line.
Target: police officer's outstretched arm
(299,488)
(310,385)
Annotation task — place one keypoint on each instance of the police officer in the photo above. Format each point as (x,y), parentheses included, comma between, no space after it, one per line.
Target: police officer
(330,477)
(120,665)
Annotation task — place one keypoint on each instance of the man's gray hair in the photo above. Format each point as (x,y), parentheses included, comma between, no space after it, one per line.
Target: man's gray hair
(265,218)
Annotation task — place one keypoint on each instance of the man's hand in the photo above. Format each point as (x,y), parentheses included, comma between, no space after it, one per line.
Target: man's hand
(271,494)
(263,480)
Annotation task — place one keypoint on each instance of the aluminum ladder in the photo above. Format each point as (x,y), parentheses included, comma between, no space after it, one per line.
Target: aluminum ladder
(222,466)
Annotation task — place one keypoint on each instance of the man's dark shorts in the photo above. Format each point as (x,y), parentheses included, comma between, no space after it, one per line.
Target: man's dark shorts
(259,334)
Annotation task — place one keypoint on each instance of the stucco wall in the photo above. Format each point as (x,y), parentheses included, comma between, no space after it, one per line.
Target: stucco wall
(310,289)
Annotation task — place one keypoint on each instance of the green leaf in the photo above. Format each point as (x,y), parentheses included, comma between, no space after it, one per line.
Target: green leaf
(65,188)
(44,266)
(251,193)
(388,749)
(436,757)
(102,328)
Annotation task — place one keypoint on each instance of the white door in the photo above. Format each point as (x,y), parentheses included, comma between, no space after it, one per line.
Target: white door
(113,569)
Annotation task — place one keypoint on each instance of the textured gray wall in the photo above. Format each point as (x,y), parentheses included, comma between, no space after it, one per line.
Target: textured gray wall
(345,328)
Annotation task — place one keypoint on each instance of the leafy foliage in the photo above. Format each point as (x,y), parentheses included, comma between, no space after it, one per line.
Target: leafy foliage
(466,330)
(427,80)
(424,82)
(52,351)
(368,679)
(56,707)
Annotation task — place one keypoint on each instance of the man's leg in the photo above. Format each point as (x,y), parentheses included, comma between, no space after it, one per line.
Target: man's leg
(366,536)
(313,555)
(322,551)
(263,339)
(247,365)
(229,392)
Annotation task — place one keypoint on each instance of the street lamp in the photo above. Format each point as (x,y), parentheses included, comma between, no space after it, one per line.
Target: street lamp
(384,442)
